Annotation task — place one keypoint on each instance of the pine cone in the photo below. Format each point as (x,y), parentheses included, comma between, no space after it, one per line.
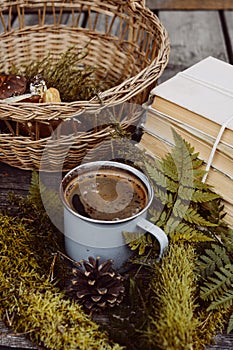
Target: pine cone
(96,285)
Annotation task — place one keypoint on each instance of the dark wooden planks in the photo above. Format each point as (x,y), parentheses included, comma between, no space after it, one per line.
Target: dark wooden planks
(222,342)
(15,341)
(193,36)
(228,27)
(190,4)
(12,180)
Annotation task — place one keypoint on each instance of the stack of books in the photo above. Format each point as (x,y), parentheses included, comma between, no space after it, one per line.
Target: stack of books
(198,104)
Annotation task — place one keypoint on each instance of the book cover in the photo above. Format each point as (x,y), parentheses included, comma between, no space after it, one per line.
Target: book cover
(205,88)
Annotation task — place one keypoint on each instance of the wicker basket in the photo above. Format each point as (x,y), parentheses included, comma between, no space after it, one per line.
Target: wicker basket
(125,39)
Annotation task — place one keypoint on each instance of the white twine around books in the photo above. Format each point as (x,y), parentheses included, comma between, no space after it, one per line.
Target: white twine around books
(212,153)
(224,125)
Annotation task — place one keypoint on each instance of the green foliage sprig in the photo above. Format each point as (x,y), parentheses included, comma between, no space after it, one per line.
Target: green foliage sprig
(68,73)
(216,269)
(180,196)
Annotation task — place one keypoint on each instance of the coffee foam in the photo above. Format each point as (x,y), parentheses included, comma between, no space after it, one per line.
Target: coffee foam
(107,194)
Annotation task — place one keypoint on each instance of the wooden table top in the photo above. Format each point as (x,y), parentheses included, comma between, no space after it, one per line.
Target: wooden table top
(193,35)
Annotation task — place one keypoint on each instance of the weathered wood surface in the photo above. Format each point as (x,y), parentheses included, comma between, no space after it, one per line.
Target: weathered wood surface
(11,340)
(12,180)
(193,36)
(228,26)
(190,4)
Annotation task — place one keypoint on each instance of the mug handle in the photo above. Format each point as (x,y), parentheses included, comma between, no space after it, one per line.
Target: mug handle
(157,232)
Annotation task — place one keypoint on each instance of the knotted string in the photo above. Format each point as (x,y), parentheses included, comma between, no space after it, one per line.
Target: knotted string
(212,153)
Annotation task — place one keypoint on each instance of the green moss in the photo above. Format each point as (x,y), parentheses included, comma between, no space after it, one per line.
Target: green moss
(33,302)
(177,319)
(68,73)
(173,323)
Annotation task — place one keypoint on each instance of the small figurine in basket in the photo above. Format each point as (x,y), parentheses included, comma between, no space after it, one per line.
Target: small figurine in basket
(13,88)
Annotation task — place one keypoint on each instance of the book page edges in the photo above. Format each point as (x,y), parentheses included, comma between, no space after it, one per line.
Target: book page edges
(189,118)
(205,89)
(156,148)
(154,116)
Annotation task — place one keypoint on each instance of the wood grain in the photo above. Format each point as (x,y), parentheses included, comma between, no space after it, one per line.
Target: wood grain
(193,36)
(12,180)
(190,4)
(222,342)
(228,16)
(9,338)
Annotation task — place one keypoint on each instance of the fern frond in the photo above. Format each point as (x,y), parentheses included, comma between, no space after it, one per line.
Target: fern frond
(180,209)
(226,236)
(162,219)
(164,196)
(169,168)
(185,193)
(219,284)
(155,214)
(225,301)
(200,196)
(181,155)
(191,237)
(171,225)
(187,233)
(181,143)
(193,217)
(157,176)
(199,185)
(184,228)
(137,241)
(161,182)
(172,186)
(196,161)
(212,259)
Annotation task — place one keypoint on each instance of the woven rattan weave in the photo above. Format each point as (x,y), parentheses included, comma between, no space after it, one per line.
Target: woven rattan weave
(125,39)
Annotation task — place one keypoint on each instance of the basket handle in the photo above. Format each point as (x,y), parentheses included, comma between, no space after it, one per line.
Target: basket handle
(133,3)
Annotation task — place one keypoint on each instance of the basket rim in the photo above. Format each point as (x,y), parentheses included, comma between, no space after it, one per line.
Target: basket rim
(18,148)
(135,81)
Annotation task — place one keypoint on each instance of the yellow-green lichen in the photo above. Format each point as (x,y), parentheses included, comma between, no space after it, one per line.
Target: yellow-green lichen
(33,303)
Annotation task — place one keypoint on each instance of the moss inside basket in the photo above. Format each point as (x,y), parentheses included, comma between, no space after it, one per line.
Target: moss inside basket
(69,74)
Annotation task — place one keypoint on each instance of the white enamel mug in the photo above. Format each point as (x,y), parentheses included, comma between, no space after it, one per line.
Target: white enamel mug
(85,236)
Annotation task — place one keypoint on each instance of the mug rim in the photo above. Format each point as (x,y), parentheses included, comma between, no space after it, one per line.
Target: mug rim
(90,165)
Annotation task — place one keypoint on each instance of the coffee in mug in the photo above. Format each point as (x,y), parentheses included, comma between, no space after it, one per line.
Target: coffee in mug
(107,194)
(101,200)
